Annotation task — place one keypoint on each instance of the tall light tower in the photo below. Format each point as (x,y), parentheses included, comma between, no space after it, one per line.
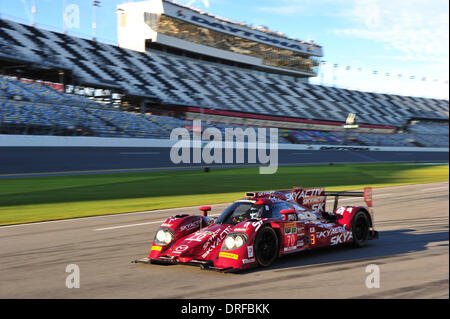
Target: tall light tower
(33,13)
(95,4)
(64,17)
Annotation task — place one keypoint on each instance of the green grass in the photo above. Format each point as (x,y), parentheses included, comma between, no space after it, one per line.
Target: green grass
(48,198)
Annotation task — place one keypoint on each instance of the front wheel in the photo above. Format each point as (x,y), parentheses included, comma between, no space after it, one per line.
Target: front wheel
(266,247)
(360,229)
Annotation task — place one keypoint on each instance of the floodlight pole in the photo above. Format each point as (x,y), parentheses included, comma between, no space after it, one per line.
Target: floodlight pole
(95,4)
(33,13)
(64,17)
(321,70)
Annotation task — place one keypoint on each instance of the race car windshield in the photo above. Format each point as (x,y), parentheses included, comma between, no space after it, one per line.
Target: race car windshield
(239,212)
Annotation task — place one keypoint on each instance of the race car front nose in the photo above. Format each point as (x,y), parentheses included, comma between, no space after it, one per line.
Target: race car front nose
(164,260)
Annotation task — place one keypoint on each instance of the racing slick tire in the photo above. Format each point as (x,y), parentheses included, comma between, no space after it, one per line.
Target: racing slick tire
(360,229)
(266,246)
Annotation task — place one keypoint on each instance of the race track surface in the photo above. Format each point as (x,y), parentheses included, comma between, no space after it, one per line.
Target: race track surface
(412,253)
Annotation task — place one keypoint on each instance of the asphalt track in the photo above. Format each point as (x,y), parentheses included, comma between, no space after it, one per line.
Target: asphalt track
(412,253)
(31,161)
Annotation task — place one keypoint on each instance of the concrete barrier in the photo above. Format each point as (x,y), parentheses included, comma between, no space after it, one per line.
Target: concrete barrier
(88,141)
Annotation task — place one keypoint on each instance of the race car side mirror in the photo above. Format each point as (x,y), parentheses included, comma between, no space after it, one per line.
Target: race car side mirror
(289,214)
(205,210)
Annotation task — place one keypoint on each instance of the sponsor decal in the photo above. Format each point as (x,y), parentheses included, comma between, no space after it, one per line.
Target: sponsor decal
(213,236)
(250,251)
(243,230)
(157,248)
(228,255)
(308,201)
(301,231)
(248,261)
(198,236)
(310,197)
(290,230)
(288,225)
(290,248)
(345,148)
(327,225)
(320,207)
(180,249)
(189,226)
(168,222)
(213,242)
(307,192)
(342,238)
(330,232)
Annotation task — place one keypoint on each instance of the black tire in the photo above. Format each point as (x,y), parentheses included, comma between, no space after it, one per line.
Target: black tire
(360,229)
(266,247)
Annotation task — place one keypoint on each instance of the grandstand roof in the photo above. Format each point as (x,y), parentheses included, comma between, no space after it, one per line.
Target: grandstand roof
(260,28)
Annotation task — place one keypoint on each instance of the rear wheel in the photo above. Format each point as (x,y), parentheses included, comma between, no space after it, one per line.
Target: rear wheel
(360,229)
(266,247)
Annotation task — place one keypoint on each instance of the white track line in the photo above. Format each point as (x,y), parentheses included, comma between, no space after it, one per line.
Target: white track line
(130,225)
(133,225)
(434,188)
(95,217)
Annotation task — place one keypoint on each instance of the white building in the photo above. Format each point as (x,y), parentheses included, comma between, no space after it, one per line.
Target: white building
(164,26)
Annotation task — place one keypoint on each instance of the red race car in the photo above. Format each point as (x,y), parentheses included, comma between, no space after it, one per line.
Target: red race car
(254,231)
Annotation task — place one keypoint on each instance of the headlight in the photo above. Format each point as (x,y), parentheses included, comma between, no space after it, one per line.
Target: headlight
(168,237)
(234,241)
(164,237)
(161,236)
(229,242)
(238,242)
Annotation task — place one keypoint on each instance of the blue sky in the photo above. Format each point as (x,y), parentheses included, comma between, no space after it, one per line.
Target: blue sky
(392,37)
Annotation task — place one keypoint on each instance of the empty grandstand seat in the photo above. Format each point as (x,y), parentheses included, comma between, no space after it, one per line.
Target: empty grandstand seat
(188,82)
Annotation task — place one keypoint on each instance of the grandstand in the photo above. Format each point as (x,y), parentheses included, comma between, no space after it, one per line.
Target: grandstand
(167,88)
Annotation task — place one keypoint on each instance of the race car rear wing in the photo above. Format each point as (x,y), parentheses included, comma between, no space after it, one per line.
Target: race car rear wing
(314,198)
(367,194)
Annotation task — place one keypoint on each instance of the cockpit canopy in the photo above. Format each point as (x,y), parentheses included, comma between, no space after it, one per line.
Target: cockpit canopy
(246,209)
